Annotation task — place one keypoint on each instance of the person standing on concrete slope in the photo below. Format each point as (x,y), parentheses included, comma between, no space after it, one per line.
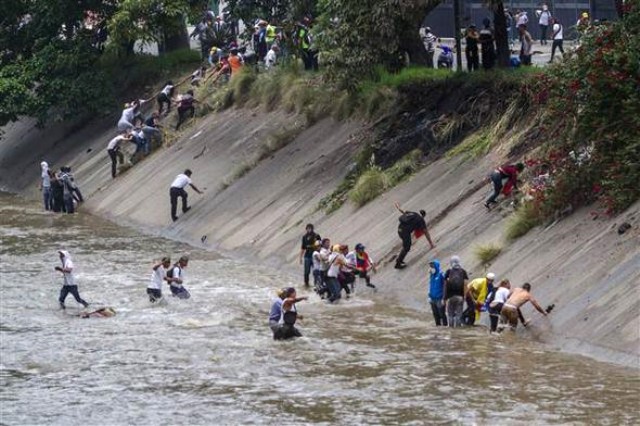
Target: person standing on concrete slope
(519,296)
(477,291)
(113,149)
(158,276)
(455,288)
(128,116)
(363,263)
(45,186)
(175,277)
(186,108)
(410,222)
(68,188)
(544,20)
(287,329)
(309,240)
(496,301)
(177,190)
(69,285)
(165,96)
(436,293)
(507,171)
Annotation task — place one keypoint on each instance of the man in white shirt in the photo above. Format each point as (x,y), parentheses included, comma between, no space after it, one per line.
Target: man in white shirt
(336,261)
(499,299)
(177,190)
(113,149)
(69,285)
(557,39)
(271,60)
(176,279)
(158,276)
(544,20)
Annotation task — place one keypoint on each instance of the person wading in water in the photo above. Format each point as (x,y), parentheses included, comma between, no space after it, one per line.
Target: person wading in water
(410,222)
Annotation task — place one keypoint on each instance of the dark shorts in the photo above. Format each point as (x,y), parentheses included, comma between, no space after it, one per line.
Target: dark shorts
(154,294)
(180,292)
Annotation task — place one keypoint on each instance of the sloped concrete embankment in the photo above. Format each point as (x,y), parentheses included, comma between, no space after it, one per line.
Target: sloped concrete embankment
(581,265)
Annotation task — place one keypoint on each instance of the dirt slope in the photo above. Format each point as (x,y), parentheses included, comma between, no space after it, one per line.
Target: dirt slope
(583,266)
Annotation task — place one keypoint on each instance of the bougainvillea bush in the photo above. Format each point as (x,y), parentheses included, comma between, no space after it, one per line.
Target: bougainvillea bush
(592,117)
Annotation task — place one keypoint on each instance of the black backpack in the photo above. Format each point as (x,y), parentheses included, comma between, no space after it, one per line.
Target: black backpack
(170,271)
(409,219)
(455,282)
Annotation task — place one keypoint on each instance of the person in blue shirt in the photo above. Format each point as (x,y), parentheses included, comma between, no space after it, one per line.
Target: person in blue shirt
(436,293)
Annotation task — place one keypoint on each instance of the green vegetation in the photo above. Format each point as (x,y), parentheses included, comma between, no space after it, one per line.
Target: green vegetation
(486,253)
(522,221)
(369,185)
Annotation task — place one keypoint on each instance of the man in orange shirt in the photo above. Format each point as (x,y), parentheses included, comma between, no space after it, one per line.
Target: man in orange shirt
(235,61)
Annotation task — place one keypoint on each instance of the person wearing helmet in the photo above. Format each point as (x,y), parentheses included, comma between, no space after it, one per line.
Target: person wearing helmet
(410,222)
(509,172)
(477,292)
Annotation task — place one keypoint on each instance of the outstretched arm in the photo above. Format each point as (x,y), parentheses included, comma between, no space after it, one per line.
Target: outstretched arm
(535,304)
(397,206)
(428,237)
(196,189)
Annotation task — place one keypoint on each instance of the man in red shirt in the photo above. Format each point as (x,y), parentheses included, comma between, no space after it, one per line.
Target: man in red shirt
(509,172)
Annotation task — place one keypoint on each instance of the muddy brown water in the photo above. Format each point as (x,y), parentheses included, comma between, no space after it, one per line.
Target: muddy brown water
(211,359)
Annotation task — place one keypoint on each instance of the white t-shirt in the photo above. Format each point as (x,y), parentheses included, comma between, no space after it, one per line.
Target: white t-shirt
(46,179)
(317,261)
(69,278)
(544,18)
(157,278)
(178,272)
(502,294)
(181,181)
(334,269)
(128,115)
(167,89)
(557,28)
(351,259)
(271,59)
(115,142)
(522,19)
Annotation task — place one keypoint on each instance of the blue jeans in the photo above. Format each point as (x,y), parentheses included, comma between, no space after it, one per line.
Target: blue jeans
(47,198)
(334,288)
(73,289)
(307,270)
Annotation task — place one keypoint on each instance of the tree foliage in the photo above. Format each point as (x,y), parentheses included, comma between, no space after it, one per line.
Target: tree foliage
(274,11)
(357,35)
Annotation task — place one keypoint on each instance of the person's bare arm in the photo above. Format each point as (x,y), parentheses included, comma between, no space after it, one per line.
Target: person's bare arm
(196,189)
(428,237)
(397,206)
(286,303)
(535,304)
(63,270)
(156,266)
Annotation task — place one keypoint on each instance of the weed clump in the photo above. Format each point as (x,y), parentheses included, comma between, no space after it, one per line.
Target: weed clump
(486,253)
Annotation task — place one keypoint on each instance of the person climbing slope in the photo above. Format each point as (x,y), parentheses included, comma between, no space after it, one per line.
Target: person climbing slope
(507,171)
(410,222)
(177,190)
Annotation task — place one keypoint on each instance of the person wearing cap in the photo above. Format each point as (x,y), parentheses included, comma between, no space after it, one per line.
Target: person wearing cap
(45,186)
(507,171)
(177,190)
(477,292)
(158,276)
(410,222)
(436,293)
(583,21)
(176,278)
(306,251)
(455,287)
(286,329)
(362,263)
(429,40)
(69,285)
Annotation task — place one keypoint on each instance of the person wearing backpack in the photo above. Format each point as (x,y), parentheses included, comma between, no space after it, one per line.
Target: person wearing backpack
(436,293)
(455,288)
(175,277)
(410,222)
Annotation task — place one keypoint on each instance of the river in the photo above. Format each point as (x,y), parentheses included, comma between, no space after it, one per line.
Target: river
(211,359)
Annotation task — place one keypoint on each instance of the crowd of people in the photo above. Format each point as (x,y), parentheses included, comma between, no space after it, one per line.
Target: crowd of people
(60,193)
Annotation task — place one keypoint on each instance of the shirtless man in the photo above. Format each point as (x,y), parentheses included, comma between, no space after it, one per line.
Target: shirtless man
(518,297)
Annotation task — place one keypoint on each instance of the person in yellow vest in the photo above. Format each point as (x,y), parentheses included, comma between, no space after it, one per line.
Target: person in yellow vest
(477,292)
(271,35)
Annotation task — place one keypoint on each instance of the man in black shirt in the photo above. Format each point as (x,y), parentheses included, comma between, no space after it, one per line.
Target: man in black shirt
(410,222)
(306,250)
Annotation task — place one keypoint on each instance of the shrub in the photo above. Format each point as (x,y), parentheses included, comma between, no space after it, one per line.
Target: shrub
(405,168)
(486,253)
(372,183)
(521,222)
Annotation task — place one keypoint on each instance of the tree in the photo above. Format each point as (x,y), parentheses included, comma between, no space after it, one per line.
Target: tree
(501,35)
(357,35)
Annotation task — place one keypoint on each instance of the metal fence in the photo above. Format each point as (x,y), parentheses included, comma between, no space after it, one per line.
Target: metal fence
(567,11)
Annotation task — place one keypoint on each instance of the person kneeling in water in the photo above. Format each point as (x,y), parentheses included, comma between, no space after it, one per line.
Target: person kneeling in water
(289,316)
(176,278)
(106,312)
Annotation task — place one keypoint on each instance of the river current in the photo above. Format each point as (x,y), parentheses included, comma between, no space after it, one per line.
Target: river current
(211,360)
